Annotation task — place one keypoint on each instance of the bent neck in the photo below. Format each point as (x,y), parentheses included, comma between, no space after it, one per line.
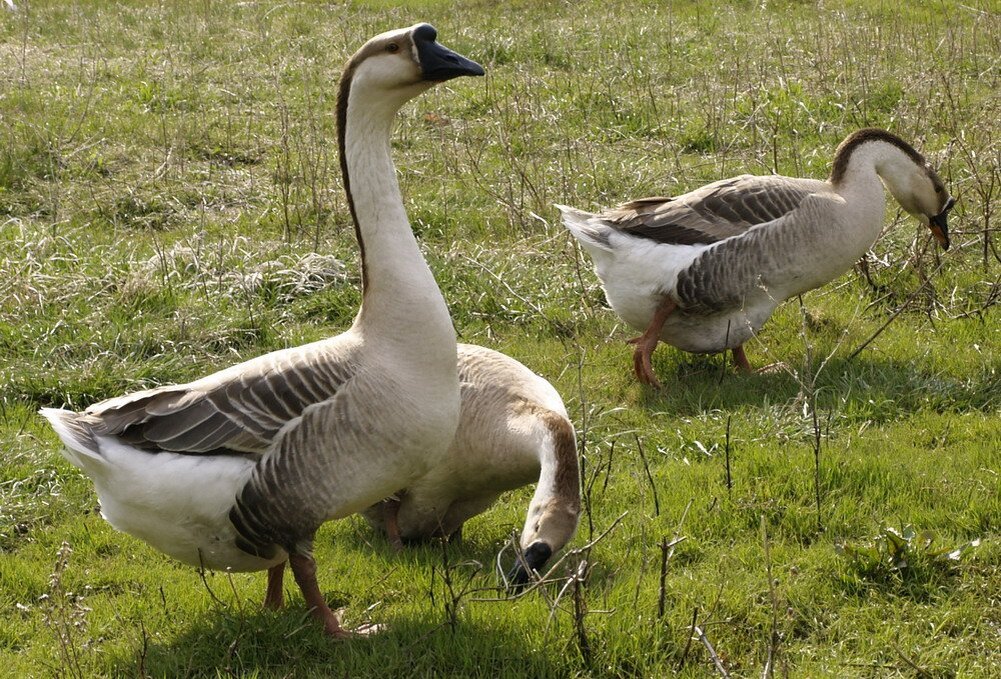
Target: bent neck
(398,289)
(869,153)
(555,507)
(859,171)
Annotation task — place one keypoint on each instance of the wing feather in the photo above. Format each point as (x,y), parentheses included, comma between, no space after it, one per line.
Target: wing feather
(712,213)
(240,409)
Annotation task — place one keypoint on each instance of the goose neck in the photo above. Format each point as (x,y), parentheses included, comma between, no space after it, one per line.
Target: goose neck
(397,286)
(555,507)
(858,181)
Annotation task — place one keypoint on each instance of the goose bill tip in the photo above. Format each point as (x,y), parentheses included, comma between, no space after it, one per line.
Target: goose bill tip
(940,235)
(535,557)
(438,63)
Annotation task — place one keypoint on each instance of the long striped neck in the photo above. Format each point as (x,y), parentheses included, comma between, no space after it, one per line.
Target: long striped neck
(868,154)
(555,507)
(400,298)
(858,183)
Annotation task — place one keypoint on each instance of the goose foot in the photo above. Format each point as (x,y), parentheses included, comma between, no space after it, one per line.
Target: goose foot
(304,570)
(647,342)
(274,597)
(740,358)
(642,364)
(390,516)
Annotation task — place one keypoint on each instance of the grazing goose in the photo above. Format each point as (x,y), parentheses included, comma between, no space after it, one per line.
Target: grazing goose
(704,271)
(239,469)
(513,429)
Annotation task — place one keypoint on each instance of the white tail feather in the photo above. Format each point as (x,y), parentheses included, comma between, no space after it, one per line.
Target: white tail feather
(586,228)
(80,446)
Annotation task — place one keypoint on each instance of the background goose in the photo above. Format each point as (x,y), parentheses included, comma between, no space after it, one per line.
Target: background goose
(704,271)
(513,429)
(239,469)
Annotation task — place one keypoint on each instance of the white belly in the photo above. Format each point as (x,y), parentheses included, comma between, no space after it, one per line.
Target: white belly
(695,333)
(178,504)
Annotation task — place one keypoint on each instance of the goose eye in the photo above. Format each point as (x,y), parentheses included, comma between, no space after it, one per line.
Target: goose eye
(392,48)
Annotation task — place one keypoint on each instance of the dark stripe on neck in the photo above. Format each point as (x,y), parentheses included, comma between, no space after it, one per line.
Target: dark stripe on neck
(845,149)
(343,94)
(567,477)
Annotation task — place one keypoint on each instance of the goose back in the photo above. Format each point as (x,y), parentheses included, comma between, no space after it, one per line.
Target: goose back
(513,430)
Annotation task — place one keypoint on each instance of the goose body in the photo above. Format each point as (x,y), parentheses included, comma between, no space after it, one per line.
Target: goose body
(703,271)
(239,469)
(513,430)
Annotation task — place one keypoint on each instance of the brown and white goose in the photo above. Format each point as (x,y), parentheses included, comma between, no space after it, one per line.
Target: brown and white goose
(239,469)
(703,271)
(513,430)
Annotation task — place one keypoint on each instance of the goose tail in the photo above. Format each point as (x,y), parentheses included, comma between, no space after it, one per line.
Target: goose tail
(81,447)
(586,228)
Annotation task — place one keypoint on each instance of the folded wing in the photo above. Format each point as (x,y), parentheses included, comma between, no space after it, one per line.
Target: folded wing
(240,409)
(710,214)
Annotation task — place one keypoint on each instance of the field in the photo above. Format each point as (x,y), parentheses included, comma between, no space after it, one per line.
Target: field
(170,203)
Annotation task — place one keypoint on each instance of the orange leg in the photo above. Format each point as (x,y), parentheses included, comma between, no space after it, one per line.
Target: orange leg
(390,515)
(274,597)
(740,358)
(304,570)
(647,342)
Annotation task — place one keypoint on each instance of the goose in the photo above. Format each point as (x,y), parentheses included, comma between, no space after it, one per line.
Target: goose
(237,470)
(513,429)
(703,271)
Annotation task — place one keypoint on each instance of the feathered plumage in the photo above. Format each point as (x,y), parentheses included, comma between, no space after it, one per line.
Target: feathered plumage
(239,469)
(703,271)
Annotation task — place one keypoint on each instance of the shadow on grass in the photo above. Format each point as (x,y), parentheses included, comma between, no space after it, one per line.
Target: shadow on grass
(878,389)
(288,643)
(243,639)
(922,581)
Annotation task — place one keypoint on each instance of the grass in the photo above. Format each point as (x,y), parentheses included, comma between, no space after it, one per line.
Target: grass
(170,204)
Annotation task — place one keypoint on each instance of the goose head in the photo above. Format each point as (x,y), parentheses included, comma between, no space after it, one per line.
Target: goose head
(397,65)
(549,527)
(906,174)
(920,191)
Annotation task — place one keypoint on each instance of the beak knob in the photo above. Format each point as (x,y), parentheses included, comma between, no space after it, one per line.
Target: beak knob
(534,558)
(438,63)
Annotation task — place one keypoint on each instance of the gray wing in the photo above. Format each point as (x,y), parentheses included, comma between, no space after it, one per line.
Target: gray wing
(240,409)
(710,214)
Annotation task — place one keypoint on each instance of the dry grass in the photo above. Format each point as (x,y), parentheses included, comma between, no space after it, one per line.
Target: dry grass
(170,203)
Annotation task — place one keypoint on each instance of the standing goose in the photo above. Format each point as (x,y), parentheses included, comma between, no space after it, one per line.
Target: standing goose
(239,469)
(513,429)
(704,271)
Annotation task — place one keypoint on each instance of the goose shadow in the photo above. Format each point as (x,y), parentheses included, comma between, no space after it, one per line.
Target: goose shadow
(235,641)
(475,552)
(879,386)
(470,547)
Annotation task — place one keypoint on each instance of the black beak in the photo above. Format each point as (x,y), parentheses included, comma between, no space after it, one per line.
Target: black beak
(438,63)
(939,225)
(535,557)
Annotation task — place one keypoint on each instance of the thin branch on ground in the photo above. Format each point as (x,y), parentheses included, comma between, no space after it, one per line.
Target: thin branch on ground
(544,579)
(666,552)
(712,651)
(649,475)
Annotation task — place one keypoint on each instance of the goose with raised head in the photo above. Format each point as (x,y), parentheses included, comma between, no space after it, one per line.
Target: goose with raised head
(513,429)
(238,470)
(703,271)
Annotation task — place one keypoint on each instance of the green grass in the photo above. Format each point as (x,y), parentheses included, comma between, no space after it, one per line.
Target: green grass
(170,203)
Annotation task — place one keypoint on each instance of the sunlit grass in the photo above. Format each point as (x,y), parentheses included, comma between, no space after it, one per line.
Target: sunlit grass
(170,204)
